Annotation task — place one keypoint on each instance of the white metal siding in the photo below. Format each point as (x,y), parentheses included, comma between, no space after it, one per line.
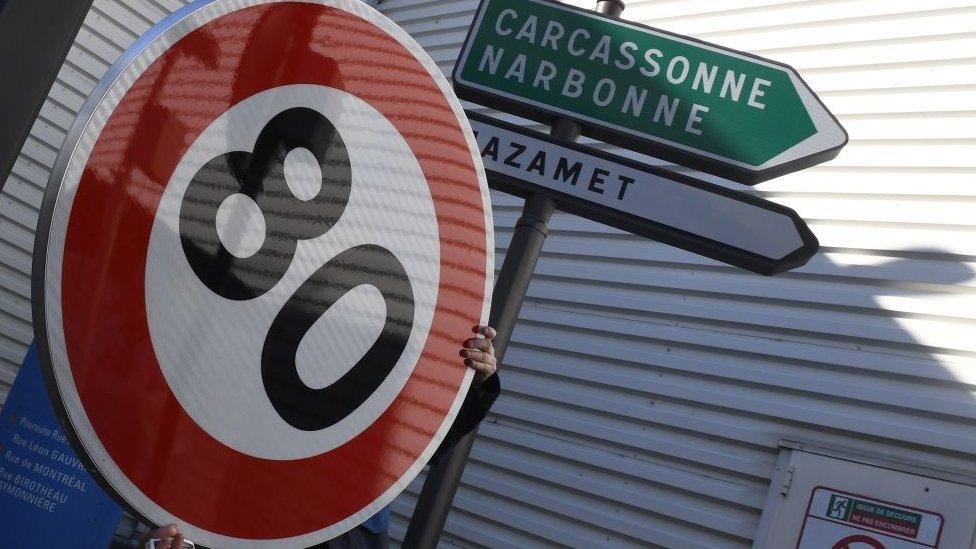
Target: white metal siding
(110,27)
(646,388)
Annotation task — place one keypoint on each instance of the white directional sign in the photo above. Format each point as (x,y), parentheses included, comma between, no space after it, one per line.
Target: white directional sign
(715,222)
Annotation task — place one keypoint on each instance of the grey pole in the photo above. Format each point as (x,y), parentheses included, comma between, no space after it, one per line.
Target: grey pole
(35,36)
(530,233)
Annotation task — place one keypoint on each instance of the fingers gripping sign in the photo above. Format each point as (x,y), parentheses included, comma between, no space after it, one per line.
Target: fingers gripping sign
(166,537)
(251,289)
(479,354)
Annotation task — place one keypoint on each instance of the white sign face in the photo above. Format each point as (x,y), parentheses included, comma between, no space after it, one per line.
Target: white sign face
(732,227)
(232,405)
(839,520)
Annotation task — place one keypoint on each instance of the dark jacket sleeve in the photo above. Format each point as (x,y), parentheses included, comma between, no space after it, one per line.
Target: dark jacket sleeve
(474,409)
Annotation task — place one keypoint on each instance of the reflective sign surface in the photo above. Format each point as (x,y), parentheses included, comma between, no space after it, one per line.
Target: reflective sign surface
(729,226)
(257,260)
(674,97)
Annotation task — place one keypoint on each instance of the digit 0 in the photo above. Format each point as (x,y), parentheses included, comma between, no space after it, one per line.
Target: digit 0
(313,409)
(260,175)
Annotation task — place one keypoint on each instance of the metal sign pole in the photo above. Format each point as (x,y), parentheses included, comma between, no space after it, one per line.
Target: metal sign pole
(434,504)
(34,40)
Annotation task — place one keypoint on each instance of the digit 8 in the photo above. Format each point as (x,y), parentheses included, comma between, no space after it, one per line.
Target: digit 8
(260,175)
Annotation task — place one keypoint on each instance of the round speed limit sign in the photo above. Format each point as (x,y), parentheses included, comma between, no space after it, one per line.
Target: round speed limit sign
(260,251)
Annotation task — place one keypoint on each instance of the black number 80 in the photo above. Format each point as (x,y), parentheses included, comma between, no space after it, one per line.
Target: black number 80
(260,175)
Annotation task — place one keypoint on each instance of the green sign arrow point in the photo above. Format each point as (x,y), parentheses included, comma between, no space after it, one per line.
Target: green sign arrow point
(671,96)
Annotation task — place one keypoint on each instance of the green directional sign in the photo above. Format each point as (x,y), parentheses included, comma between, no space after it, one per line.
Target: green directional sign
(690,102)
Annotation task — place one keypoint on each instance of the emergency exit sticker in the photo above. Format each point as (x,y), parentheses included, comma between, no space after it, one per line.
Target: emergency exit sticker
(840,520)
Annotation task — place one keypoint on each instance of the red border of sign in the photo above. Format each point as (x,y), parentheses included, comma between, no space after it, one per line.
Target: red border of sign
(103,301)
(806,514)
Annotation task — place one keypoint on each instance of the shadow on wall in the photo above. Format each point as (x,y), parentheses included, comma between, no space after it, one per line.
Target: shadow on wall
(916,345)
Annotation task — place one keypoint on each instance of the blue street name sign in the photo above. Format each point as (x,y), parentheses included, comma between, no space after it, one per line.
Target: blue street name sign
(47,498)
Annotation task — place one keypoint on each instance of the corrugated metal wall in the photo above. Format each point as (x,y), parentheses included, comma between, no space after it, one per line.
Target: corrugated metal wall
(111,26)
(646,388)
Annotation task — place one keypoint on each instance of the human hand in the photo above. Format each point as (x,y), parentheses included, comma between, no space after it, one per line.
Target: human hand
(165,537)
(479,354)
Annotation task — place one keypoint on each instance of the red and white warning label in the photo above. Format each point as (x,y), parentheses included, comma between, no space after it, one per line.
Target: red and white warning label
(840,520)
